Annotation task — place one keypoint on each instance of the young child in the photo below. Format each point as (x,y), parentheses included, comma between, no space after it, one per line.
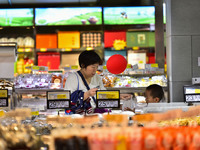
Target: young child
(154,94)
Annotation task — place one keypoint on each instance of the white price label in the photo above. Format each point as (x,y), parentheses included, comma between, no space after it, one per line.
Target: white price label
(108,104)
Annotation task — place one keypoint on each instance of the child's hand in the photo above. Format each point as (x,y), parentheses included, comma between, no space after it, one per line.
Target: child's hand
(128,109)
(125,96)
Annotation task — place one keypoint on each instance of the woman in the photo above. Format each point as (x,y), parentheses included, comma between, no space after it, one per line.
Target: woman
(84,83)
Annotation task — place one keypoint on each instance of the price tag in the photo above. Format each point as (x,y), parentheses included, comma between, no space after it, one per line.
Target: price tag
(68,49)
(61,96)
(108,99)
(28,49)
(3,93)
(107,94)
(3,97)
(39,68)
(2,113)
(191,93)
(104,67)
(135,48)
(154,65)
(129,66)
(20,50)
(197,91)
(58,99)
(108,104)
(140,62)
(89,48)
(135,67)
(3,102)
(74,67)
(35,67)
(43,49)
(35,113)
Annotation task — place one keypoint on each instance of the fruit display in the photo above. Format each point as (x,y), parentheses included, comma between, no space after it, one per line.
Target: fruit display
(23,63)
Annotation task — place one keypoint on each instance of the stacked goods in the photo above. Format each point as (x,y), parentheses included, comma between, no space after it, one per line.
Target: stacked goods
(39,81)
(91,39)
(171,117)
(126,81)
(14,135)
(108,81)
(5,84)
(127,138)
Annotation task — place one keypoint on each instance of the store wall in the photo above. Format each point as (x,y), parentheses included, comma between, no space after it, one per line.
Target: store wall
(183,45)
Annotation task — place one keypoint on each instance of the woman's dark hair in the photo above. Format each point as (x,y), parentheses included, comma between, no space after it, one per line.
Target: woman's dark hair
(87,58)
(156,91)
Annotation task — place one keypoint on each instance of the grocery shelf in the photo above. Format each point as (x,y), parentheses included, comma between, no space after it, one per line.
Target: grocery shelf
(131,89)
(66,50)
(25,91)
(141,75)
(34,99)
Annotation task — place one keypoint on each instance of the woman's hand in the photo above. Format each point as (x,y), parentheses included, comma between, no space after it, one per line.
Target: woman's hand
(90,92)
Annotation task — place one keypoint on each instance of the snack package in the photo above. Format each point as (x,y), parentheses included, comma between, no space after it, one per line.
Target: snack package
(56,81)
(151,138)
(179,140)
(167,138)
(193,138)
(109,80)
(134,138)
(95,140)
(109,139)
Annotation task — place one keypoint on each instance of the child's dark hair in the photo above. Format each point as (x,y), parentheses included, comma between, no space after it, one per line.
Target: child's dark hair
(156,91)
(87,58)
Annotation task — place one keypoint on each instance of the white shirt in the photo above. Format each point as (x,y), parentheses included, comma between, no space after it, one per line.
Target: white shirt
(72,84)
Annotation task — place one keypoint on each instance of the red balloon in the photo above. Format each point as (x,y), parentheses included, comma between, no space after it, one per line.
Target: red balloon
(116,64)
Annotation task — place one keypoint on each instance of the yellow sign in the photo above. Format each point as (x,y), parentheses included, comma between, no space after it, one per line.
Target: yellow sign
(197,91)
(43,49)
(2,113)
(35,67)
(20,50)
(28,50)
(61,96)
(108,95)
(135,48)
(74,67)
(35,113)
(3,93)
(154,65)
(128,66)
(140,62)
(89,48)
(68,49)
(119,44)
(104,67)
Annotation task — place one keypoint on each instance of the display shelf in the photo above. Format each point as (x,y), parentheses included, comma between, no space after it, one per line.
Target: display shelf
(141,75)
(67,50)
(26,91)
(131,89)
(33,99)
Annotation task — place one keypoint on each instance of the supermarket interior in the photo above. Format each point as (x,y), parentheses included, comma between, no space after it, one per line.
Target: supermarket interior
(49,100)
